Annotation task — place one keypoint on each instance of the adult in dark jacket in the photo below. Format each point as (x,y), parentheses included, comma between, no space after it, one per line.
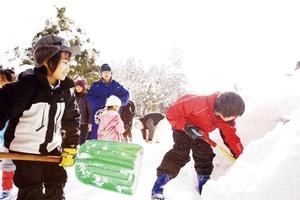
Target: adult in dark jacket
(39,107)
(203,114)
(85,110)
(101,90)
(149,122)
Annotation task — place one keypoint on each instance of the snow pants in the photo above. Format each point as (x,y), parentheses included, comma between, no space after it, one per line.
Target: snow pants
(179,155)
(8,171)
(32,177)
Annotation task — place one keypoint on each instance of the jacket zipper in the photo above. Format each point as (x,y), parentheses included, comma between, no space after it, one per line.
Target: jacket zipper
(42,123)
(57,118)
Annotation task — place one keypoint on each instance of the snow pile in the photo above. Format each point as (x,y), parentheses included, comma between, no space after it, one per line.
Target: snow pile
(272,102)
(268,168)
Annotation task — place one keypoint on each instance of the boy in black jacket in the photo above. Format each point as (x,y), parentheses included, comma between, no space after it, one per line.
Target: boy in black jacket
(40,107)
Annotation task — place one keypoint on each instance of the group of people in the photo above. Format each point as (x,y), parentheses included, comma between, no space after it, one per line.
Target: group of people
(106,113)
(41,114)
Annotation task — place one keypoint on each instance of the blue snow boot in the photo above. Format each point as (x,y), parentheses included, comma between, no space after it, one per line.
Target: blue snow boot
(202,179)
(157,190)
(5,195)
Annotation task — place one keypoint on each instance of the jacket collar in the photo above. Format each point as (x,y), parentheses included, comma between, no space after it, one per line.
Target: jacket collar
(108,82)
(41,75)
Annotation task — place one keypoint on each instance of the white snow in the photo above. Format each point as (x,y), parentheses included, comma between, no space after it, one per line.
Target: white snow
(250,44)
(267,169)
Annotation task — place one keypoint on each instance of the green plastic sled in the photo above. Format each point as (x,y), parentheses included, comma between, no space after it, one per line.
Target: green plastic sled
(109,165)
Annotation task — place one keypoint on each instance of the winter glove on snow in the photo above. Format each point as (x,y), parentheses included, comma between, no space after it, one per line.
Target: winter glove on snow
(68,157)
(193,132)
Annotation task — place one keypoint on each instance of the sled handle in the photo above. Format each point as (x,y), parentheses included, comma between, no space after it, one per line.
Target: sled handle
(29,157)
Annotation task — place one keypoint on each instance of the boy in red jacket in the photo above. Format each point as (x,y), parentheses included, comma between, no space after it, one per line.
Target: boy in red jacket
(204,114)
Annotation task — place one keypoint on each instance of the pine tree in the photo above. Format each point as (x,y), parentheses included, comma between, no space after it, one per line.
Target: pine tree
(84,65)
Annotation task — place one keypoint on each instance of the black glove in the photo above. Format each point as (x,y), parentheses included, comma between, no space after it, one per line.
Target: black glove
(89,136)
(126,127)
(192,131)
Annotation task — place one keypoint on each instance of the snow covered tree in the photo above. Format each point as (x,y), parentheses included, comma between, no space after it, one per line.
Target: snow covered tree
(84,65)
(13,57)
(153,88)
(132,76)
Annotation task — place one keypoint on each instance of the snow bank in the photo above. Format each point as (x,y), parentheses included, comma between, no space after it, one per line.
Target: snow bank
(268,168)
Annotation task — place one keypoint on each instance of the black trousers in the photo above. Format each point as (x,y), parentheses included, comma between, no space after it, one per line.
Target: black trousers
(179,155)
(83,133)
(32,177)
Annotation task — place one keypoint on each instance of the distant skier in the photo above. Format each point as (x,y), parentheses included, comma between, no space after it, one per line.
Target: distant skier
(204,114)
(8,168)
(111,126)
(127,113)
(101,90)
(43,119)
(149,122)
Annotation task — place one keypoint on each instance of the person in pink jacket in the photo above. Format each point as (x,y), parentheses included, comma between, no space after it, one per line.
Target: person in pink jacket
(111,126)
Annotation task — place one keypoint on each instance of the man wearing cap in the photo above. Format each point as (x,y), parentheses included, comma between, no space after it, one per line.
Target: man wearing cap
(40,107)
(101,90)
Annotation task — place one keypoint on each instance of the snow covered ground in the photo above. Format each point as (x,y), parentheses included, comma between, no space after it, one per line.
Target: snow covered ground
(268,168)
(153,154)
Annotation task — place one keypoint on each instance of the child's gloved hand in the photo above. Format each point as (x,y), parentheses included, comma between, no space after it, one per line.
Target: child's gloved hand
(68,157)
(193,132)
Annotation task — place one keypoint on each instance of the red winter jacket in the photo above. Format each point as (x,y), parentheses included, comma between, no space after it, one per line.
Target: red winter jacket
(198,111)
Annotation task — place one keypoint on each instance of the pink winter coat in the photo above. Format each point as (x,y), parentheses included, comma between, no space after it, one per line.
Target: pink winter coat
(111,126)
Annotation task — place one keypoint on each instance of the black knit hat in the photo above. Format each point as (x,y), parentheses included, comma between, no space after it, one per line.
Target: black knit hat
(105,67)
(49,45)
